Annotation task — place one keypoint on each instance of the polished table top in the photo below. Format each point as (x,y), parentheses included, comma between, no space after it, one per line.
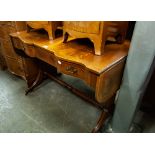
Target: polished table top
(76,51)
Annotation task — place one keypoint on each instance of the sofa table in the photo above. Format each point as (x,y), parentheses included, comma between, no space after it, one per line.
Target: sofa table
(74,58)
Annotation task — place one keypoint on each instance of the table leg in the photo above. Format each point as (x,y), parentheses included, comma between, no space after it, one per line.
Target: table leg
(103,117)
(107,111)
(38,80)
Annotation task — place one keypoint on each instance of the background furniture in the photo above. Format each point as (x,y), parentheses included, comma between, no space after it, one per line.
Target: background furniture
(3,65)
(97,31)
(148,102)
(49,26)
(23,67)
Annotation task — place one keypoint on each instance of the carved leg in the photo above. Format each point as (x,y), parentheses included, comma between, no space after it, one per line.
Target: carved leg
(98,46)
(28,28)
(105,114)
(65,37)
(51,34)
(38,80)
(103,117)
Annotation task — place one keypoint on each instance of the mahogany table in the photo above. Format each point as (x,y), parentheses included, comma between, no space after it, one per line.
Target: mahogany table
(77,59)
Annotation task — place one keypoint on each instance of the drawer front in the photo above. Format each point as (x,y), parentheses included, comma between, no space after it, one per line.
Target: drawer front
(20,25)
(46,56)
(29,50)
(37,24)
(71,69)
(84,27)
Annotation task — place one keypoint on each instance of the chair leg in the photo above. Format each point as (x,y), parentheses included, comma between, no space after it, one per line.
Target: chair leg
(28,28)
(99,48)
(65,37)
(51,34)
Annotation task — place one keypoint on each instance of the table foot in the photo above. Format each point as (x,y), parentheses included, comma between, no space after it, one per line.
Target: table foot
(103,117)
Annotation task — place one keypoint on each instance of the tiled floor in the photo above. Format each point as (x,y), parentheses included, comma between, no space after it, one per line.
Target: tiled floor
(49,108)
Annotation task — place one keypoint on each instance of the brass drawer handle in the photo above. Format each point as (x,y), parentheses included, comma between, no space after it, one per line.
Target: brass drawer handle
(71,69)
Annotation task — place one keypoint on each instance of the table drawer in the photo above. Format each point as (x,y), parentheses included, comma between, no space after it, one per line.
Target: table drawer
(83,26)
(37,24)
(71,69)
(46,56)
(29,50)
